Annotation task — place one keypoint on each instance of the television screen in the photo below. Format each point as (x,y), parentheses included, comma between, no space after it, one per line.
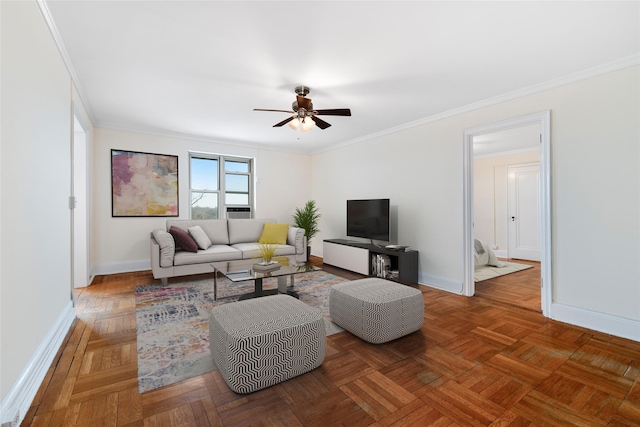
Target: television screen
(368,219)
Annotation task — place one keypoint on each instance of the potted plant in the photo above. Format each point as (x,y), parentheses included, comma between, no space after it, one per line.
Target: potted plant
(267,251)
(307,219)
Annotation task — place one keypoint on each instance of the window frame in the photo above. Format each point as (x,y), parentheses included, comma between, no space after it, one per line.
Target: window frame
(221,191)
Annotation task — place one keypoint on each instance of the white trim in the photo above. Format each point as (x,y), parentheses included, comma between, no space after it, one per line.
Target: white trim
(618,64)
(606,323)
(544,119)
(441,283)
(46,14)
(506,153)
(120,267)
(23,391)
(545,216)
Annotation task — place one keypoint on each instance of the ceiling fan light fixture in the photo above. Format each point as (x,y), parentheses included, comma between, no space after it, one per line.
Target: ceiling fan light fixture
(304,116)
(307,124)
(294,124)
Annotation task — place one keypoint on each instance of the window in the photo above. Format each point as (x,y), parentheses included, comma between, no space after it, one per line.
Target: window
(218,182)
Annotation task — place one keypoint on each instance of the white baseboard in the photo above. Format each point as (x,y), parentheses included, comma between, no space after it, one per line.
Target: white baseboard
(440,283)
(120,267)
(601,322)
(21,394)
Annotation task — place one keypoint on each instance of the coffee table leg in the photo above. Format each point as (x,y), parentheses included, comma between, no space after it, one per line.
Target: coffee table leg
(283,289)
(258,291)
(258,287)
(282,284)
(215,284)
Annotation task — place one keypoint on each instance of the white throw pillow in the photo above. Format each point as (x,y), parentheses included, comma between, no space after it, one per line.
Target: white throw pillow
(200,237)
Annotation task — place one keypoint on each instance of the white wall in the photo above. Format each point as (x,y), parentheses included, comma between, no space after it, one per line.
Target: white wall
(490,177)
(35,221)
(595,189)
(122,244)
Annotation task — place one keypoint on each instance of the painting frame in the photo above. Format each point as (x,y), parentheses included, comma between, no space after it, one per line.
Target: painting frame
(144,184)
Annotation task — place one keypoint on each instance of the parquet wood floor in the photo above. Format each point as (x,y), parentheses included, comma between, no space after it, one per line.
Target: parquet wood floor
(521,288)
(475,362)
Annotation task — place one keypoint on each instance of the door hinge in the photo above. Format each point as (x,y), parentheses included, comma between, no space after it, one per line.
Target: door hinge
(72,202)
(540,138)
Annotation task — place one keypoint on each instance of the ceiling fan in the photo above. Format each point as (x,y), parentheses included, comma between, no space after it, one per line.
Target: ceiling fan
(304,116)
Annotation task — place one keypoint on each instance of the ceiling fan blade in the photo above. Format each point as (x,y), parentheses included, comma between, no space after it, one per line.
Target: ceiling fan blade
(284,122)
(320,123)
(277,111)
(334,112)
(304,102)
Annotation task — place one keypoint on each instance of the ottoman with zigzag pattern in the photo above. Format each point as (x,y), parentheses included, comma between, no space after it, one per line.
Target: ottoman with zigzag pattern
(376,310)
(263,341)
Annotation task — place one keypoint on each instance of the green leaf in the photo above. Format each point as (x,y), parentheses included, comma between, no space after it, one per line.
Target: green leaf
(307,219)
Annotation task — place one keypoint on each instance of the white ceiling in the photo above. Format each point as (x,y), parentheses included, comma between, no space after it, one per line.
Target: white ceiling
(198,68)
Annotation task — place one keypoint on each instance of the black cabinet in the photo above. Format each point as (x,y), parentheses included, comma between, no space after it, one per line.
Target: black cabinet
(403,265)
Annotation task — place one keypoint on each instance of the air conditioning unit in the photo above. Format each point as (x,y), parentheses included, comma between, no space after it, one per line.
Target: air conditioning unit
(238,213)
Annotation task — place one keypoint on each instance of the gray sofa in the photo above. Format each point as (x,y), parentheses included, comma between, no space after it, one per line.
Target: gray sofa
(232,239)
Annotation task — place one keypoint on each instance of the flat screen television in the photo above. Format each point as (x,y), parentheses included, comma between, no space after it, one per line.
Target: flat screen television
(368,219)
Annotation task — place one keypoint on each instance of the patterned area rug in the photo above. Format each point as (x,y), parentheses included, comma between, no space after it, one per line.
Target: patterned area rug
(173,323)
(487,272)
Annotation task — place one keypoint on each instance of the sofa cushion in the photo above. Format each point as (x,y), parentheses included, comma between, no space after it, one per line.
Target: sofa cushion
(274,233)
(214,253)
(252,250)
(183,239)
(167,247)
(246,230)
(200,237)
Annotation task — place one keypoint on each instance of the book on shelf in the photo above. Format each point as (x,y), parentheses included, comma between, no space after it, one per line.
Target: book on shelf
(380,265)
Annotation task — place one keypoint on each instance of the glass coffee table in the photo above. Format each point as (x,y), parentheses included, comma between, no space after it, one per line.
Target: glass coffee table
(243,270)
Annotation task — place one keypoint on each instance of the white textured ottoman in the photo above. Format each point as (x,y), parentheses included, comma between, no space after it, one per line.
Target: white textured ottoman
(376,310)
(263,341)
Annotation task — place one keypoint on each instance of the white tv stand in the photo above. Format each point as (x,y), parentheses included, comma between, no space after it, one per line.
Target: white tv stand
(356,257)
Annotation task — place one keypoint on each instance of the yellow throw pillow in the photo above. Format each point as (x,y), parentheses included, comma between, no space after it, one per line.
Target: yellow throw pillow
(274,233)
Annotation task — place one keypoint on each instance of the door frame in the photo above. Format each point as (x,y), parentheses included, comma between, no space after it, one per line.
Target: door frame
(544,120)
(77,232)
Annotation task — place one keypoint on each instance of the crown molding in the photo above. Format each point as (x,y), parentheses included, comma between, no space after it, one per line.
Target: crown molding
(46,14)
(193,137)
(618,64)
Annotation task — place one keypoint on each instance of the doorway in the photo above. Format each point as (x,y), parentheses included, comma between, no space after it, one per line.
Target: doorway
(542,120)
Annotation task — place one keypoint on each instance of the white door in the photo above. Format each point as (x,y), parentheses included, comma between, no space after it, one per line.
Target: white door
(80,245)
(524,212)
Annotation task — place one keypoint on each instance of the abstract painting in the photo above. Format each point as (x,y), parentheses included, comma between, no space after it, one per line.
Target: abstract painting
(143,184)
